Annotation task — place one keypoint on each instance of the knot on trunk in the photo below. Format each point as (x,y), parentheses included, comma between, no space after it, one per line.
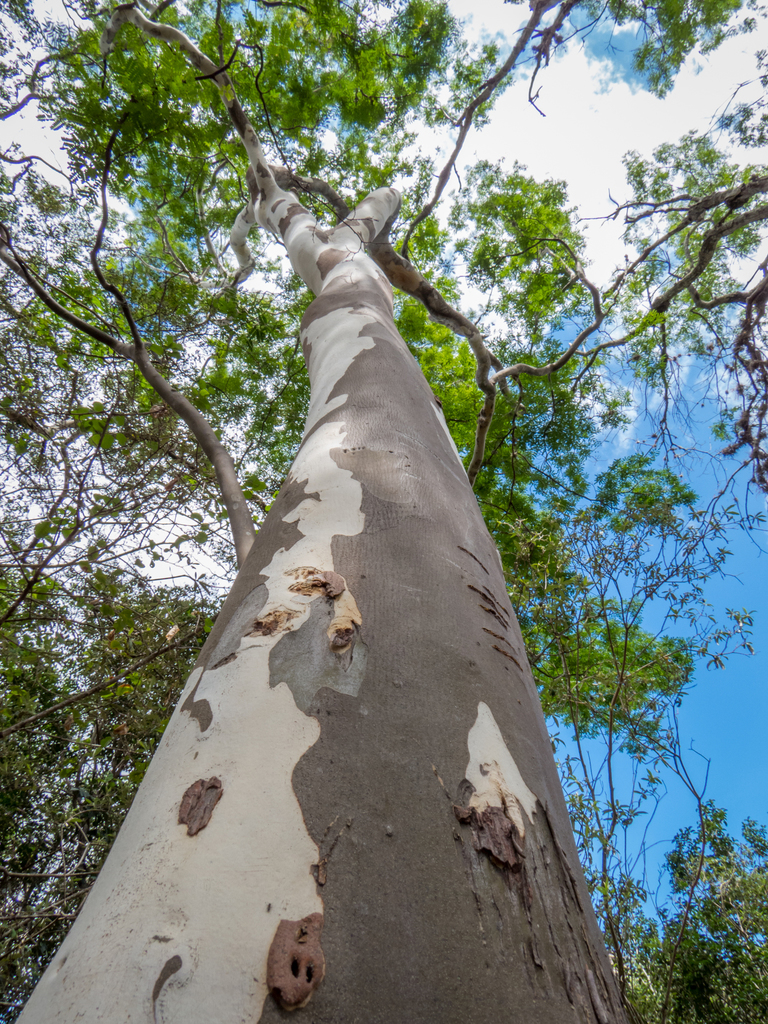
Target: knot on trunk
(198,803)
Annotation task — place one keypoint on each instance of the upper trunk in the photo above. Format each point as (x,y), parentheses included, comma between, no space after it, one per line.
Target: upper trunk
(360,754)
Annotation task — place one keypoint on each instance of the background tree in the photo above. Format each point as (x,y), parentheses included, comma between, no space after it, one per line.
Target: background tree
(714,934)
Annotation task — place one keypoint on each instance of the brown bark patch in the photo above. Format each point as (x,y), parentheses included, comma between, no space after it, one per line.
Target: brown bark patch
(198,803)
(497,608)
(310,581)
(273,622)
(296,965)
(495,614)
(507,655)
(468,552)
(493,832)
(497,635)
(329,259)
(334,584)
(293,211)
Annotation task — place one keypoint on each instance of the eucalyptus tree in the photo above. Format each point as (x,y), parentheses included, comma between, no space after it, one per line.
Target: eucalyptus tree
(355,801)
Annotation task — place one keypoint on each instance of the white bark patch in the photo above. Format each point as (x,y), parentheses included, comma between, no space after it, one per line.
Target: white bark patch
(367,219)
(216,899)
(335,339)
(205,899)
(329,361)
(451,442)
(346,614)
(238,237)
(493,772)
(299,236)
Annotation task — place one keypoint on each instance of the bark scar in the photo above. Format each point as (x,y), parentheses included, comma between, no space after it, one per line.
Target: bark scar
(495,833)
(198,803)
(296,965)
(347,615)
(320,870)
(311,581)
(271,623)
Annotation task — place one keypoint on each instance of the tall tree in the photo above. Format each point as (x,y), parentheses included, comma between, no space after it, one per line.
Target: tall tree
(359,761)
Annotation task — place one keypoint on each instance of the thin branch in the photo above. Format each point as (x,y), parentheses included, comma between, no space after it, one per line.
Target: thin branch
(732,198)
(207,235)
(157,11)
(564,357)
(97,688)
(13,260)
(264,104)
(241,522)
(46,430)
(29,160)
(287,179)
(484,418)
(707,251)
(20,105)
(224,67)
(543,49)
(466,118)
(33,93)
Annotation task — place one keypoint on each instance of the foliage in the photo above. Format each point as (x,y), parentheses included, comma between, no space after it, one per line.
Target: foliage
(715,932)
(67,782)
(585,581)
(668,32)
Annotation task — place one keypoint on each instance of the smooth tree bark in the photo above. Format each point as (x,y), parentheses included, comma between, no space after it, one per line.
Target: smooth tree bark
(355,807)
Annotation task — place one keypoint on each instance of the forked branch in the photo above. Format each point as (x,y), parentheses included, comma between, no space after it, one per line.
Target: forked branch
(241,522)
(538,9)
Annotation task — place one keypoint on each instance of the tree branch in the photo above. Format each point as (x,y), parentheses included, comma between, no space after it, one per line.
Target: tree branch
(404,276)
(241,522)
(707,251)
(287,179)
(466,118)
(564,357)
(97,688)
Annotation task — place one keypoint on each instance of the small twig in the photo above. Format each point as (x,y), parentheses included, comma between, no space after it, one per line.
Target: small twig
(466,118)
(223,68)
(97,688)
(264,104)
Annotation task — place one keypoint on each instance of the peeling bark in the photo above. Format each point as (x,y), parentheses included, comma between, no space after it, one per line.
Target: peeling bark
(493,831)
(198,803)
(296,965)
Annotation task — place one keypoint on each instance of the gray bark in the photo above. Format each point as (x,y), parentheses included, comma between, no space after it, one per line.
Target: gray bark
(419,924)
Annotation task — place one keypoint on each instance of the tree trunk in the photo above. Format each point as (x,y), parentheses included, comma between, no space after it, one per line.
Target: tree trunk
(355,801)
